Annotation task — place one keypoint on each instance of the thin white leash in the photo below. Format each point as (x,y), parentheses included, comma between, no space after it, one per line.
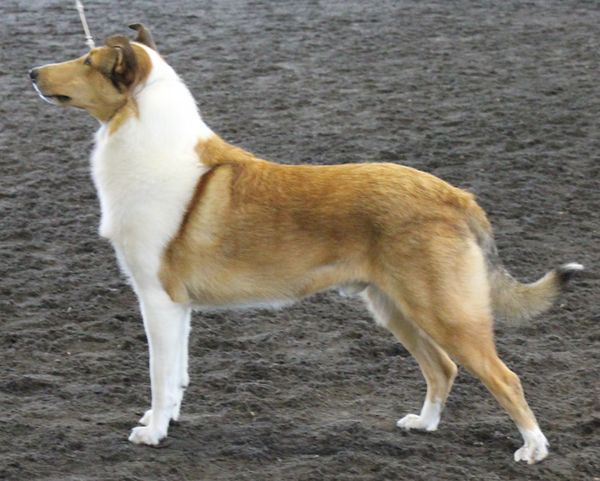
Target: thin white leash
(88,35)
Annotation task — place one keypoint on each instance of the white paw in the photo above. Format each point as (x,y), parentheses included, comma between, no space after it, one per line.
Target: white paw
(146,435)
(414,421)
(146,418)
(532,452)
(535,448)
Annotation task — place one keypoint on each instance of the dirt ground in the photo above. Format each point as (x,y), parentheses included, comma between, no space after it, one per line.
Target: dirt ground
(500,98)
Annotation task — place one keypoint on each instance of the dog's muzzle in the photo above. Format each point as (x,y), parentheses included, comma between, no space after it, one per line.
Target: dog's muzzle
(51,99)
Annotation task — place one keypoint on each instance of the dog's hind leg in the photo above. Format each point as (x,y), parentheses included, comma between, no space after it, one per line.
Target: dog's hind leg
(165,323)
(471,343)
(505,385)
(448,297)
(437,368)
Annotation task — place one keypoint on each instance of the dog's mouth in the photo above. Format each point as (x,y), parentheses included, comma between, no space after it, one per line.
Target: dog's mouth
(52,99)
(61,99)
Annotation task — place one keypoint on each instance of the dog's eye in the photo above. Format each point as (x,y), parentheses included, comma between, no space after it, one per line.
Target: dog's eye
(87,61)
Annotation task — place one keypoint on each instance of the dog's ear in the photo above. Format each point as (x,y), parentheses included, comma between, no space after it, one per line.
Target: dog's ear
(143,35)
(121,62)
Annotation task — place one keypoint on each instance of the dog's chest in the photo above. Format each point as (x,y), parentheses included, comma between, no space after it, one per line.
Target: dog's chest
(144,189)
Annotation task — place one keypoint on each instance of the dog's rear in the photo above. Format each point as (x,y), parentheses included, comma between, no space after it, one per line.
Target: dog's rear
(441,308)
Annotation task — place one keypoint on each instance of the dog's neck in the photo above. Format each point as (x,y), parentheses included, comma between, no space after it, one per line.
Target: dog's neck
(143,98)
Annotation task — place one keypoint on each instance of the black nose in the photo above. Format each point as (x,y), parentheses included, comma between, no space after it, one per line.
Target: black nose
(33,74)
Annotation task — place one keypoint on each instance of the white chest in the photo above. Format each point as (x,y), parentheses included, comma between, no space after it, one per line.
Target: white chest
(144,188)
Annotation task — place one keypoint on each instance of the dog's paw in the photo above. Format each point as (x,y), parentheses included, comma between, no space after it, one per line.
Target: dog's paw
(532,451)
(146,418)
(414,421)
(146,435)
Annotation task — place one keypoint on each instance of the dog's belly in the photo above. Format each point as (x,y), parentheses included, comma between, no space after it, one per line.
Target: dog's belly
(226,286)
(243,304)
(249,300)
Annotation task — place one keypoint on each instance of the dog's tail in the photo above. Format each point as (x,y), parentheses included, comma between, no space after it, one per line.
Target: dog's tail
(510,298)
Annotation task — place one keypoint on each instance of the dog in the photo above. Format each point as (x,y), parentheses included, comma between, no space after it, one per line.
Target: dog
(196,222)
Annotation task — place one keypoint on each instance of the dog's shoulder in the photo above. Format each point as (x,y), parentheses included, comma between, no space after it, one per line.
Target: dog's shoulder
(214,151)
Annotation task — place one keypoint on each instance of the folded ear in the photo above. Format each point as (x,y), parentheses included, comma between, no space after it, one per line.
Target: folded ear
(143,35)
(123,59)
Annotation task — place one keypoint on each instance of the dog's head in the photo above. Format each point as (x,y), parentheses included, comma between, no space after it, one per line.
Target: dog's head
(101,81)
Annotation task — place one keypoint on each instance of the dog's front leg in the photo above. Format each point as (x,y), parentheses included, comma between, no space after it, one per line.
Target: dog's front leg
(181,371)
(182,366)
(166,327)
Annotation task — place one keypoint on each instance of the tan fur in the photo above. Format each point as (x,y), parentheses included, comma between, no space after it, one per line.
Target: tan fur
(267,231)
(438,369)
(88,84)
(259,231)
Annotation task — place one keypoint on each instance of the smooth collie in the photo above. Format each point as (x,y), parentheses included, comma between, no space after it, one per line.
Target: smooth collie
(197,222)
